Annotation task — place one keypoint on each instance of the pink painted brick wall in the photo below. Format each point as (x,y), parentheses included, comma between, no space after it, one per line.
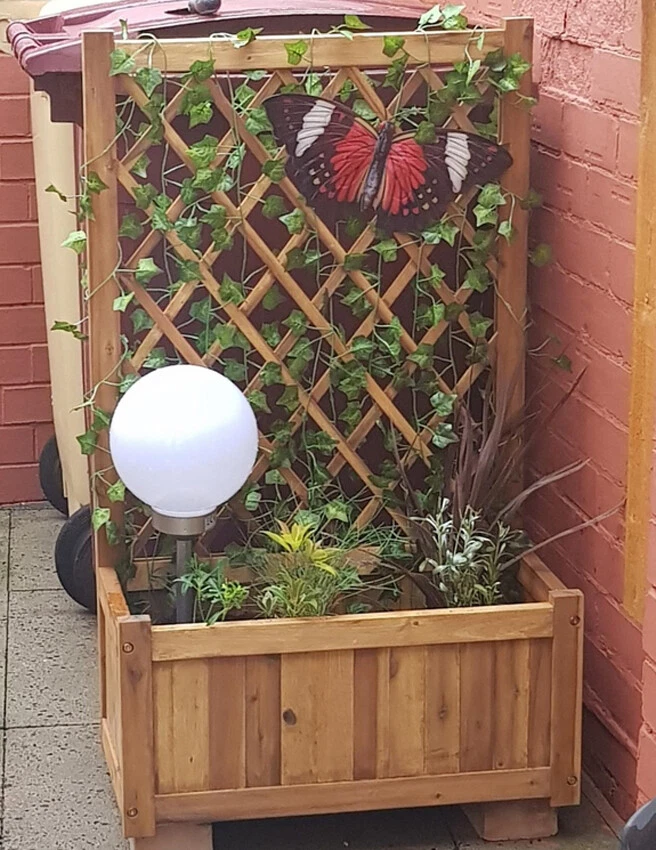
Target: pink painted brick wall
(25,414)
(584,164)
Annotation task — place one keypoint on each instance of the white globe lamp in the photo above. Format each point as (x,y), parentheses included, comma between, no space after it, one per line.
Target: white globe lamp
(183,439)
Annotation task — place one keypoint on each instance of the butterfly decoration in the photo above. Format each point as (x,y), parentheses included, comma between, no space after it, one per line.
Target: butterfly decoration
(334,157)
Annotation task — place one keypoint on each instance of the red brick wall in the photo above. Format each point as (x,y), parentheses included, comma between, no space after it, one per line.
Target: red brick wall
(584,163)
(25,414)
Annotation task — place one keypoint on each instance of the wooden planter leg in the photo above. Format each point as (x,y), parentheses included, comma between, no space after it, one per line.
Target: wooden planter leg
(514,820)
(176,836)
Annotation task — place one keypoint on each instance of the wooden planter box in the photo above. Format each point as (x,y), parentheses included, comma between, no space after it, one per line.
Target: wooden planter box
(288,717)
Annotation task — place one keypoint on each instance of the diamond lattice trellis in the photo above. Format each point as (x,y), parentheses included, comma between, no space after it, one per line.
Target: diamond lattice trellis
(172,316)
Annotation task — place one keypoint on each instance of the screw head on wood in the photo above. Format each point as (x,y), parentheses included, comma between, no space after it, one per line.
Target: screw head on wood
(575,620)
(572,780)
(289,717)
(132,813)
(128,647)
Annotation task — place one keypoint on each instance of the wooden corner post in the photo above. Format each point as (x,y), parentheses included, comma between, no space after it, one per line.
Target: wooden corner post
(102,262)
(510,309)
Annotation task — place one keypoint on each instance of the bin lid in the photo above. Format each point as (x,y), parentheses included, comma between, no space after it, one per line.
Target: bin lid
(52,44)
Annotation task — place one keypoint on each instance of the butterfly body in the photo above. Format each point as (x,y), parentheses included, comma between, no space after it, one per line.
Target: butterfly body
(334,157)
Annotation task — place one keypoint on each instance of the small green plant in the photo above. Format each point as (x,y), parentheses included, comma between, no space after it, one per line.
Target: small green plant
(214,596)
(299,540)
(300,589)
(469,560)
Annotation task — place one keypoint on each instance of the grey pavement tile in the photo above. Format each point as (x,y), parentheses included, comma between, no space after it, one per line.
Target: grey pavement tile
(57,792)
(404,829)
(579,828)
(5,525)
(51,674)
(33,535)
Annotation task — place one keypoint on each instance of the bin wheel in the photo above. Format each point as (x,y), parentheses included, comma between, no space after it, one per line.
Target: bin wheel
(74,559)
(50,476)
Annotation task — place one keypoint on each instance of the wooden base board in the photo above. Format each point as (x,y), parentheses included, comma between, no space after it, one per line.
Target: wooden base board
(176,836)
(514,820)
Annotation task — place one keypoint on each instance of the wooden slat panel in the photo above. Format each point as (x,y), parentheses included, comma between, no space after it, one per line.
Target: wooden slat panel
(566,697)
(407,698)
(353,631)
(317,711)
(511,704)
(383,713)
(181,709)
(227,722)
(539,717)
(365,713)
(137,804)
(263,719)
(113,683)
(477,706)
(334,51)
(442,746)
(404,792)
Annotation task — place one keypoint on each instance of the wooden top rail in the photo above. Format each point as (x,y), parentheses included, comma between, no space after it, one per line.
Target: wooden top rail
(334,51)
(353,631)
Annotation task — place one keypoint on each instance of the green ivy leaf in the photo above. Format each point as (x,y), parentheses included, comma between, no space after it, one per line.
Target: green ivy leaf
(76,241)
(94,184)
(274,169)
(188,231)
(272,298)
(246,36)
(230,291)
(156,359)
(144,195)
(70,328)
(289,399)
(270,374)
(541,255)
(146,270)
(148,79)
(296,322)
(431,17)
(121,302)
(116,491)
(294,221)
(353,22)
(387,249)
(425,134)
(225,335)
(479,324)
(563,362)
(236,156)
(140,167)
(141,321)
(442,403)
(296,50)
(353,262)
(346,90)
(362,347)
(270,334)
(201,310)
(422,356)
(257,121)
(337,509)
(273,207)
(121,62)
(478,279)
(88,441)
(491,196)
(506,230)
(392,44)
(485,215)
(200,70)
(234,370)
(396,72)
(197,105)
(351,415)
(126,382)
(216,217)
(431,315)
(222,240)
(441,231)
(99,517)
(532,201)
(444,435)
(298,258)
(189,270)
(203,153)
(391,336)
(55,191)
(319,441)
(356,300)
(255,75)
(253,498)
(313,85)
(453,19)
(187,191)
(160,221)
(362,108)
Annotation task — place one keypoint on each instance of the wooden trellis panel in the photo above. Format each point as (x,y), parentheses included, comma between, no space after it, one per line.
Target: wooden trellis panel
(337,61)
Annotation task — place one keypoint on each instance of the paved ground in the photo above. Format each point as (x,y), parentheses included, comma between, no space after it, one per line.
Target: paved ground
(55,790)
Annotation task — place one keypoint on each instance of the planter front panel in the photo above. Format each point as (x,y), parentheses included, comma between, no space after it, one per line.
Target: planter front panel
(316,717)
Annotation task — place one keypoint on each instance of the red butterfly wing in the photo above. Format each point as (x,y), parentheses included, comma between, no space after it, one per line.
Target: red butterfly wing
(329,148)
(420,181)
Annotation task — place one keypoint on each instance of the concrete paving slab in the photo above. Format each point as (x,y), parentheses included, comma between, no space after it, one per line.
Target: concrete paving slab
(57,792)
(33,535)
(580,828)
(51,675)
(405,829)
(5,525)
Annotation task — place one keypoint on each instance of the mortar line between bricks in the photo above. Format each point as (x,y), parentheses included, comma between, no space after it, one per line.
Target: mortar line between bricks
(5,678)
